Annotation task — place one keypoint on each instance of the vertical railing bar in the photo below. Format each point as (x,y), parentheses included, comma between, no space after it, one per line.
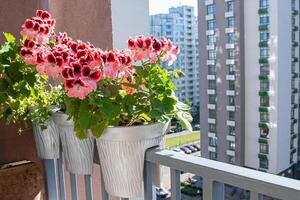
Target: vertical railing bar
(105,195)
(175,184)
(148,181)
(88,187)
(51,177)
(207,188)
(61,173)
(256,196)
(218,190)
(74,188)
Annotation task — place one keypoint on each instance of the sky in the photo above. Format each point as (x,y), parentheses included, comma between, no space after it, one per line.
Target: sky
(162,6)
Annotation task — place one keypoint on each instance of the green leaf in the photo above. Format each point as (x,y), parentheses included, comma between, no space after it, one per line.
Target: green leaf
(184,120)
(83,115)
(99,128)
(9,37)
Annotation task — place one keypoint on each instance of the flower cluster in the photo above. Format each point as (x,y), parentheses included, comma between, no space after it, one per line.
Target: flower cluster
(80,64)
(151,48)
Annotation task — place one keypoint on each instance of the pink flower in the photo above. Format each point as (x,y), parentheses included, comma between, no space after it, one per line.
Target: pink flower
(79,88)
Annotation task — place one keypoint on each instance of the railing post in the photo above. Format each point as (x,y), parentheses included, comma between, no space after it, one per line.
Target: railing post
(105,195)
(61,174)
(256,196)
(51,177)
(88,187)
(148,193)
(212,190)
(74,188)
(175,184)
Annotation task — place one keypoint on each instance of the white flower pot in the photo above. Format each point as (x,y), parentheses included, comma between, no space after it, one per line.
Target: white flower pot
(47,141)
(122,151)
(78,154)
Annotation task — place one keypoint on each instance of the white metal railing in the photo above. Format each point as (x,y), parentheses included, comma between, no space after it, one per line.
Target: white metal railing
(214,174)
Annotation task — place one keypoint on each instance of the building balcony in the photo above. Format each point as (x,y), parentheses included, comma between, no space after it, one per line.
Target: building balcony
(230,138)
(264,108)
(211,91)
(263,11)
(264,93)
(209,2)
(230,108)
(295,12)
(212,149)
(230,152)
(294,121)
(230,61)
(294,136)
(230,123)
(262,140)
(295,75)
(229,30)
(211,134)
(295,28)
(230,77)
(210,17)
(211,120)
(295,59)
(263,27)
(211,106)
(294,90)
(210,32)
(263,156)
(210,62)
(264,125)
(263,77)
(229,14)
(295,44)
(210,47)
(230,92)
(229,46)
(263,61)
(263,44)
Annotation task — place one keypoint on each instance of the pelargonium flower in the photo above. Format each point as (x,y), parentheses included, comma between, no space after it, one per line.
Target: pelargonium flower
(140,47)
(38,28)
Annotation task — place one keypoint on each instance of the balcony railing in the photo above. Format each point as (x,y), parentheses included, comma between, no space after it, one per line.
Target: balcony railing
(214,175)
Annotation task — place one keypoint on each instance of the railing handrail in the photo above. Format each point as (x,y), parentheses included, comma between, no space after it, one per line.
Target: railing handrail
(249,179)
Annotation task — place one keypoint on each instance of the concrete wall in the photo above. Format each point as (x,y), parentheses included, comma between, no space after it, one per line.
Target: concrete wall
(129,18)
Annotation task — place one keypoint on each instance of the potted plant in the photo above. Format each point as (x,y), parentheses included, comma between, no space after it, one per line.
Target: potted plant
(23,98)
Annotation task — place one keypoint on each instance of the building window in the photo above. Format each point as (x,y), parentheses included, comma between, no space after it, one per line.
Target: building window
(211,69)
(291,158)
(264,116)
(231,85)
(212,155)
(264,85)
(264,101)
(263,163)
(231,145)
(264,35)
(230,6)
(213,141)
(231,115)
(230,22)
(231,38)
(231,69)
(264,20)
(264,70)
(211,24)
(212,54)
(231,159)
(212,99)
(264,3)
(264,133)
(231,130)
(211,84)
(231,100)
(212,128)
(212,114)
(211,39)
(263,148)
(264,52)
(211,9)
(231,53)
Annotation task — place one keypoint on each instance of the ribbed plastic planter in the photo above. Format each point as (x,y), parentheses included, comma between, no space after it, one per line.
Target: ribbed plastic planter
(121,151)
(47,141)
(78,154)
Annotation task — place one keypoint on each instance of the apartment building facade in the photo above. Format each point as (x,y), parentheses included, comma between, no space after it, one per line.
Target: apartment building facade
(249,82)
(181,26)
